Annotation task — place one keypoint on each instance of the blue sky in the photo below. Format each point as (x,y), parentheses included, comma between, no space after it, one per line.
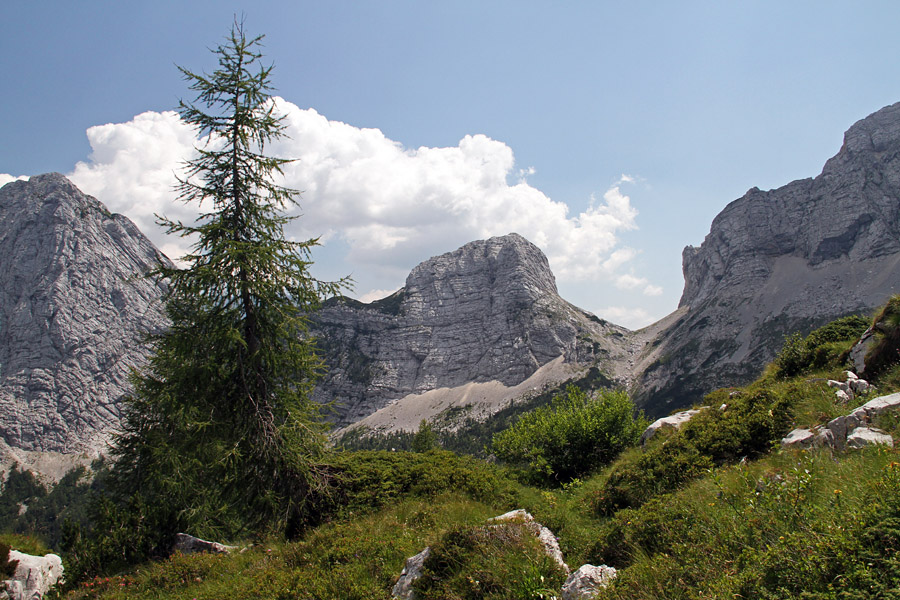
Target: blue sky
(608,133)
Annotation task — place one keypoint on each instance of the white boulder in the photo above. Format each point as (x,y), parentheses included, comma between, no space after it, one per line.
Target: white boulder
(878,406)
(674,421)
(860,386)
(412,570)
(188,544)
(799,438)
(868,436)
(34,575)
(584,583)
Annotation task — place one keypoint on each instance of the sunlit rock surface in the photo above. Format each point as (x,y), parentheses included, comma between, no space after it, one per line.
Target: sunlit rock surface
(74,306)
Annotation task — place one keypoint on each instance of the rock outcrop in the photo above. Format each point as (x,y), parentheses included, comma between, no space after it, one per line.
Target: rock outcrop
(34,576)
(780,261)
(188,544)
(673,421)
(74,306)
(487,312)
(852,430)
(587,581)
(413,568)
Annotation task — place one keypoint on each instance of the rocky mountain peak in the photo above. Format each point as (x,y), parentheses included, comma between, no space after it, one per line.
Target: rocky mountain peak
(877,133)
(784,260)
(74,305)
(486,312)
(507,262)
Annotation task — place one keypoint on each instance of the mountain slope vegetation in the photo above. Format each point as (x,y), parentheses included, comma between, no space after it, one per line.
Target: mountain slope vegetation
(716,509)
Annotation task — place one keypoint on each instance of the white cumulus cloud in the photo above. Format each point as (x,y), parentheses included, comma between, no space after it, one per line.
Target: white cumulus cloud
(6,178)
(632,317)
(389,206)
(373,295)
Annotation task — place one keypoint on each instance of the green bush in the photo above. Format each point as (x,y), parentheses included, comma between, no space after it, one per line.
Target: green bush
(369,479)
(793,525)
(425,438)
(118,537)
(502,561)
(573,436)
(751,421)
(664,467)
(822,348)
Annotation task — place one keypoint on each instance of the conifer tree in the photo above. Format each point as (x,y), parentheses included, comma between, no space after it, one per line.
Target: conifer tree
(221,430)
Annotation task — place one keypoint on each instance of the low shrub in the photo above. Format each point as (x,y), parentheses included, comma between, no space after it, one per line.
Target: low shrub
(664,467)
(823,347)
(806,525)
(369,479)
(738,424)
(118,537)
(496,561)
(573,436)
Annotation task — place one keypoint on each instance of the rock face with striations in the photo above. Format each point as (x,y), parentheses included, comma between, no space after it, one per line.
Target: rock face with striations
(780,261)
(74,306)
(488,311)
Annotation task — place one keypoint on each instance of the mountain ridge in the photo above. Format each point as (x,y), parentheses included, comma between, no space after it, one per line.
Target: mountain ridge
(779,261)
(472,328)
(486,312)
(74,306)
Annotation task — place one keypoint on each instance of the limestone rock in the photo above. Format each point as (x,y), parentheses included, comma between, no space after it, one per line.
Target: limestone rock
(674,421)
(852,429)
(842,396)
(880,405)
(412,570)
(759,274)
(824,438)
(487,312)
(545,536)
(861,348)
(34,575)
(840,427)
(188,544)
(860,386)
(584,583)
(799,438)
(74,306)
(862,437)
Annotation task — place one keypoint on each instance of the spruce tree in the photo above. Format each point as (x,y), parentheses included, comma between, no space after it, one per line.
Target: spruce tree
(221,433)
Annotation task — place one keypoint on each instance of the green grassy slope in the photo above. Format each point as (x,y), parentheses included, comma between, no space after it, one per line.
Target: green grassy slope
(715,510)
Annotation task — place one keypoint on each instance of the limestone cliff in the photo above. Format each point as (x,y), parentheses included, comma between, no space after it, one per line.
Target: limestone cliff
(488,311)
(74,306)
(781,261)
(484,320)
